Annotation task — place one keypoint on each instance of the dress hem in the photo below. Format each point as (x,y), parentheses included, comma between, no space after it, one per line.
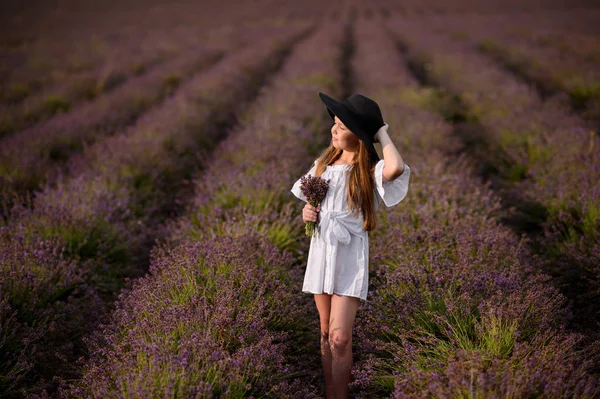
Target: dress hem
(353,296)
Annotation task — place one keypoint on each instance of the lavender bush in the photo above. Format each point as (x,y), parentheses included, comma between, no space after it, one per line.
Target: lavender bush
(203,322)
(530,135)
(46,305)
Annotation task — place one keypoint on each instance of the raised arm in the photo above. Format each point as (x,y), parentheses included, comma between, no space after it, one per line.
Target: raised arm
(393,164)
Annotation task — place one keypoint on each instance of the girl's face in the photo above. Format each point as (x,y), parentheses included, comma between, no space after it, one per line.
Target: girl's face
(342,137)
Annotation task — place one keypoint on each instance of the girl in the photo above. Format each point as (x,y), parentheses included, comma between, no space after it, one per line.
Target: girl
(337,272)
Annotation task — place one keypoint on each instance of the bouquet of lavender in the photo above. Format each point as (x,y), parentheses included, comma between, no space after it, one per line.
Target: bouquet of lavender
(314,189)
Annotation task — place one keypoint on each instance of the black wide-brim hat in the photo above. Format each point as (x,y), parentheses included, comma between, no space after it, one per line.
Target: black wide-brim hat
(360,114)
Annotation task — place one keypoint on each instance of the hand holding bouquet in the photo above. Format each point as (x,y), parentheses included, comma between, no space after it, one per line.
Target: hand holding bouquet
(314,189)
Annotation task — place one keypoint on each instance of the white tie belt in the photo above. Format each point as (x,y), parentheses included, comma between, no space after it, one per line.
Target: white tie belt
(334,227)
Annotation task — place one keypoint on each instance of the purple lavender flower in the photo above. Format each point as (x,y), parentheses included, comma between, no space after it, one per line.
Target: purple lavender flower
(315,189)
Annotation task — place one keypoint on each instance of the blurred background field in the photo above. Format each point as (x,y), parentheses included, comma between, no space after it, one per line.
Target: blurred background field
(150,245)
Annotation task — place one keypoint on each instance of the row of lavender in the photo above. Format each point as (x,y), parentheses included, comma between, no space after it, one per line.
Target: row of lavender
(456,308)
(578,15)
(545,157)
(37,155)
(69,89)
(33,156)
(217,314)
(109,45)
(74,63)
(87,232)
(563,61)
(72,90)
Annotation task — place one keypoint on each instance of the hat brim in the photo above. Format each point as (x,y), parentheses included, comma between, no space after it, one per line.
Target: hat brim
(335,108)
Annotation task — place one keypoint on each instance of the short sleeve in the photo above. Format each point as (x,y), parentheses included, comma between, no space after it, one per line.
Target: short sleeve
(296,188)
(392,192)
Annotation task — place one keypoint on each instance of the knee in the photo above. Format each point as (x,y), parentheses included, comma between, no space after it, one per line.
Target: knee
(340,342)
(324,336)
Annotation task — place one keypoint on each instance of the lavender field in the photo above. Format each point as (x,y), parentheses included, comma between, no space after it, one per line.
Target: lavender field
(150,246)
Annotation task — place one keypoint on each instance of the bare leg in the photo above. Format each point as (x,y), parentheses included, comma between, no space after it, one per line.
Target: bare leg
(343,313)
(323,302)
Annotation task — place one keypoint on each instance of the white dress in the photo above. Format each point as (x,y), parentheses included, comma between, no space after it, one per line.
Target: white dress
(338,258)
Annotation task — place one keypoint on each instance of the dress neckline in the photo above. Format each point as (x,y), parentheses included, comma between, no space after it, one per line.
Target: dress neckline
(340,165)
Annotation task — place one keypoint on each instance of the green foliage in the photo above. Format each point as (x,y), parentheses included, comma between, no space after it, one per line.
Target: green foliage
(89,241)
(172,81)
(583,220)
(87,89)
(62,148)
(523,143)
(583,93)
(7,125)
(488,46)
(436,100)
(138,68)
(320,80)
(459,35)
(54,104)
(284,236)
(15,92)
(516,172)
(591,220)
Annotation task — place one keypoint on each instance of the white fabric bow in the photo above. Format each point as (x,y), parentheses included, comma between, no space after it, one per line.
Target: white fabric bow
(337,226)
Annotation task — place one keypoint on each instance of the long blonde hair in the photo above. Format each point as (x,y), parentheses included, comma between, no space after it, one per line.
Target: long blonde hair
(361,183)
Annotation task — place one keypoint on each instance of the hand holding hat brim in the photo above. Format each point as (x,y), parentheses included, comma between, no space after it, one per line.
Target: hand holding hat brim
(382,130)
